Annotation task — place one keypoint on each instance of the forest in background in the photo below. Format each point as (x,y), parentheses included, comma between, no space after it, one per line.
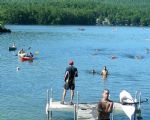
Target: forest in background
(75,12)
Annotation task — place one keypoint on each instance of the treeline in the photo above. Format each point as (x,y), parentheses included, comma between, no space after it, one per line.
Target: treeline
(75,12)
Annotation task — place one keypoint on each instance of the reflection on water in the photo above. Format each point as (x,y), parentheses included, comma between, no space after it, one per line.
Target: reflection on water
(23,92)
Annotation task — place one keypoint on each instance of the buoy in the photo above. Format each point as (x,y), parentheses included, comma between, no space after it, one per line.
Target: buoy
(36,52)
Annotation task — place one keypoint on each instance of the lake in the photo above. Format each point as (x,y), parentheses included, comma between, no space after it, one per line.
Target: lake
(23,92)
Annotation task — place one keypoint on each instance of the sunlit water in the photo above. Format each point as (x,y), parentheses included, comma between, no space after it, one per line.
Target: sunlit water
(23,92)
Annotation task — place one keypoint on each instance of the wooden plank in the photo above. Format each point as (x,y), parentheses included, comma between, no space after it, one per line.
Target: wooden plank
(57,106)
(87,112)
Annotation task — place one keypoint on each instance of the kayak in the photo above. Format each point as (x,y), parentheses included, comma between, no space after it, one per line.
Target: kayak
(129,109)
(26,58)
(12,48)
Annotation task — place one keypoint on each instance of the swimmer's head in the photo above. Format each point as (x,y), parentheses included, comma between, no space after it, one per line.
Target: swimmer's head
(18,68)
(71,62)
(93,71)
(105,94)
(104,67)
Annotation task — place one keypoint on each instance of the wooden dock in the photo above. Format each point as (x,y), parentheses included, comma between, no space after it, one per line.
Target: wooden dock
(81,111)
(86,111)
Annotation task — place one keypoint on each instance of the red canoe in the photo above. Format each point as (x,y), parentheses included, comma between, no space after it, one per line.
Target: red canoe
(26,58)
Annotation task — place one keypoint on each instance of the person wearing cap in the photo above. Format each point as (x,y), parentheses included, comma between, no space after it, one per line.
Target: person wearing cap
(70,74)
(105,106)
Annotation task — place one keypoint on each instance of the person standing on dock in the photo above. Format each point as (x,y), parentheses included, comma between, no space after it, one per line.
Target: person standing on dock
(70,74)
(105,106)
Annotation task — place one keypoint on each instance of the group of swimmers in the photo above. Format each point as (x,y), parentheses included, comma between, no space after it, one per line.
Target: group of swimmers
(103,73)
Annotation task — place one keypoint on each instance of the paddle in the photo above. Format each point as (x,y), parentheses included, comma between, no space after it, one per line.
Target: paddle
(35,53)
(124,103)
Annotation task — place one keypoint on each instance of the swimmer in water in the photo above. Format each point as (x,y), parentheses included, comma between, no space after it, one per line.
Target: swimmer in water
(104,72)
(93,71)
(18,68)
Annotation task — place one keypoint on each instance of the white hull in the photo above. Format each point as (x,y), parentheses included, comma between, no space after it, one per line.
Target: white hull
(125,97)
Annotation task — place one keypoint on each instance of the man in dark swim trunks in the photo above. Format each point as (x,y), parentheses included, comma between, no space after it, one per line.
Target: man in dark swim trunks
(105,106)
(70,74)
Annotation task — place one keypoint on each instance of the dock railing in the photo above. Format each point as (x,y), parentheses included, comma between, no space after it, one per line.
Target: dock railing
(57,106)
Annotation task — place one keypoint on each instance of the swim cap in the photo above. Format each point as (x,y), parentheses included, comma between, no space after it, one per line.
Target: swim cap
(71,62)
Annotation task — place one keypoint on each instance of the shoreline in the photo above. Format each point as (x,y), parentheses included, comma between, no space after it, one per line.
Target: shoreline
(76,25)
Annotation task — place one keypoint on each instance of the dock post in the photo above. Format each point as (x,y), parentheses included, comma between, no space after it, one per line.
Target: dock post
(112,114)
(47,96)
(51,97)
(47,105)
(137,106)
(75,112)
(50,115)
(77,97)
(77,106)
(139,117)
(139,100)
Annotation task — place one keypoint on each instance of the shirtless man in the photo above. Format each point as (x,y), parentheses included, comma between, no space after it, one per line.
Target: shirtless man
(105,106)
(104,72)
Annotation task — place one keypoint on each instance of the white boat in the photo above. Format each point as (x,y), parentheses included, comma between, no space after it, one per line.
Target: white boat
(128,107)
(12,48)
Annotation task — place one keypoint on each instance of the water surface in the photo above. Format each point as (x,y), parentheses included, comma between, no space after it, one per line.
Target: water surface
(23,93)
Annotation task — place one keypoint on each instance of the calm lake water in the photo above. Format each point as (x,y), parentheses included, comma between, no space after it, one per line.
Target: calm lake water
(23,93)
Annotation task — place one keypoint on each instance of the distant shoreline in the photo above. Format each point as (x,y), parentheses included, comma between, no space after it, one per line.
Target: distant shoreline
(75,25)
(76,12)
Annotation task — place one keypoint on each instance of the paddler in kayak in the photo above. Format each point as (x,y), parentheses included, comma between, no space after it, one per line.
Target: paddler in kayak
(21,51)
(105,106)
(31,54)
(13,45)
(70,74)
